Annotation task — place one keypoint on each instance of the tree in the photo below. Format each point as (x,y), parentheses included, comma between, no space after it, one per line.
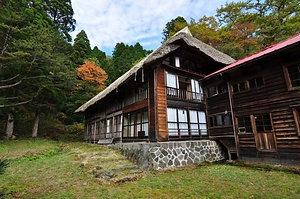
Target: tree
(173,26)
(245,27)
(82,48)
(61,12)
(123,59)
(92,73)
(33,57)
(270,20)
(206,30)
(101,58)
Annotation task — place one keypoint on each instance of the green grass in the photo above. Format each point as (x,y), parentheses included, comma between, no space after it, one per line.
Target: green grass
(51,169)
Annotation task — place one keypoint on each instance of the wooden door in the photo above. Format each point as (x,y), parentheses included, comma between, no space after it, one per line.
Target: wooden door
(264,134)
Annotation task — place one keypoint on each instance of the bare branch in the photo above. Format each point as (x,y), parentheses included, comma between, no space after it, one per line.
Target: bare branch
(8,98)
(11,85)
(17,104)
(10,79)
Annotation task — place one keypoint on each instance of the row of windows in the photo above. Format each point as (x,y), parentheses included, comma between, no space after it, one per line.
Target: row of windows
(237,87)
(183,88)
(217,89)
(220,120)
(262,123)
(183,62)
(136,124)
(248,84)
(182,122)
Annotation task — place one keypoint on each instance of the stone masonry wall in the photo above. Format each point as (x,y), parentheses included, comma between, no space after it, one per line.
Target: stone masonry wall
(156,156)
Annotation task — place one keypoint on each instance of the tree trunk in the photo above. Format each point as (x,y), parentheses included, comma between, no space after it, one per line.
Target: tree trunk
(10,125)
(36,124)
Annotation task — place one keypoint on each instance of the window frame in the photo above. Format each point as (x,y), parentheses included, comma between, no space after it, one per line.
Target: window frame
(133,127)
(217,89)
(240,125)
(175,123)
(296,114)
(287,76)
(219,120)
(236,87)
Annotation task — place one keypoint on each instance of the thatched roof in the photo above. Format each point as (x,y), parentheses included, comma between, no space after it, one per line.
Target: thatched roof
(166,48)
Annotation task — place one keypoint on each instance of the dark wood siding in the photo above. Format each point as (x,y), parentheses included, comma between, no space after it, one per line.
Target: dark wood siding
(274,98)
(218,104)
(152,111)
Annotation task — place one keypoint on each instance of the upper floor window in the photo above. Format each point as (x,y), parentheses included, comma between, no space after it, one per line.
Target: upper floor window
(177,61)
(248,84)
(183,87)
(239,87)
(217,89)
(256,82)
(292,75)
(183,62)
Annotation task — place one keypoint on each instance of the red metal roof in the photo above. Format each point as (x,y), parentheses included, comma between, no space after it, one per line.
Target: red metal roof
(270,49)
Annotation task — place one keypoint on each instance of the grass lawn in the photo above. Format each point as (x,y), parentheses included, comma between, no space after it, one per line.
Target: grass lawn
(50,169)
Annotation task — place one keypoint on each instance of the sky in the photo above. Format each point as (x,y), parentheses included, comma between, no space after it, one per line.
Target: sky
(108,22)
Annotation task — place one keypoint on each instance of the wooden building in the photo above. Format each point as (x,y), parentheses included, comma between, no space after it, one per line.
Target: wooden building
(255,103)
(188,90)
(159,99)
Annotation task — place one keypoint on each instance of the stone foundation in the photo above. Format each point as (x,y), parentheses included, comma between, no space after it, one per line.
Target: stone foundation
(156,156)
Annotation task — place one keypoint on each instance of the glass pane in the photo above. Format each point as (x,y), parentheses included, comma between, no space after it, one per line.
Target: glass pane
(194,127)
(203,132)
(252,83)
(211,91)
(227,120)
(172,126)
(259,81)
(172,114)
(182,115)
(219,120)
(138,118)
(131,131)
(145,128)
(203,127)
(183,126)
(195,86)
(242,86)
(171,80)
(267,123)
(177,61)
(145,116)
(172,129)
(202,117)
(132,119)
(235,88)
(125,132)
(126,118)
(259,124)
(193,116)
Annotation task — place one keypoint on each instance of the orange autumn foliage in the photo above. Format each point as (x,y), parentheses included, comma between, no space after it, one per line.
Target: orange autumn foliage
(90,72)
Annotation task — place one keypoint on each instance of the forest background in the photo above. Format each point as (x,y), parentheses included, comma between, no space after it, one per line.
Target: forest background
(45,76)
